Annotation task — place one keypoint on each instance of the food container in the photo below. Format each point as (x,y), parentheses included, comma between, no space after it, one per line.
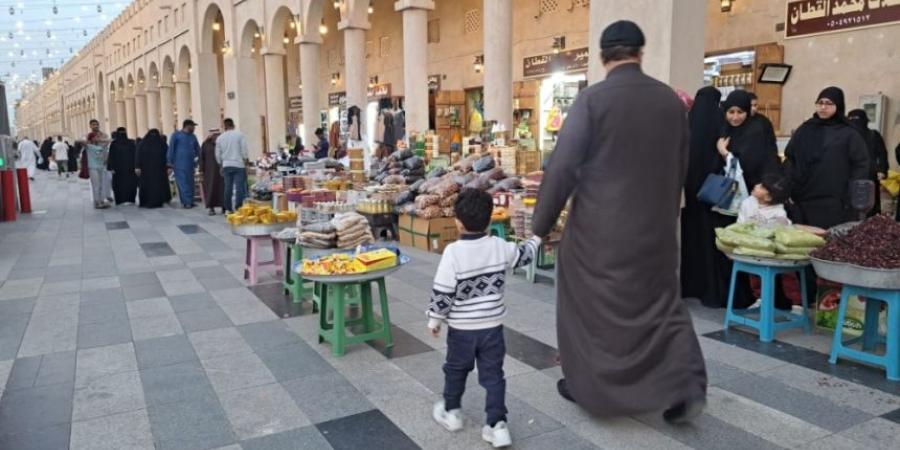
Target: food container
(867,277)
(259,230)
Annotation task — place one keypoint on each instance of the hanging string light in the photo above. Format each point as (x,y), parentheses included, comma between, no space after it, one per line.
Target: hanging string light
(323,29)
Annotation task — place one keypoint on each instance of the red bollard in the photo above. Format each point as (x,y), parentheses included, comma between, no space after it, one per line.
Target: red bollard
(8,190)
(24,192)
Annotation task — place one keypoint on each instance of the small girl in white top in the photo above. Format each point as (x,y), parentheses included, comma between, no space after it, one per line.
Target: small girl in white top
(765,205)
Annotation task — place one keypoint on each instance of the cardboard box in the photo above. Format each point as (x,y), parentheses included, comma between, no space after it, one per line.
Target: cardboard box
(430,235)
(828,298)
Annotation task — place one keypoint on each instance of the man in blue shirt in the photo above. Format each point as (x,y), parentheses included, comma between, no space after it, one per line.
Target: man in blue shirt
(322,145)
(183,151)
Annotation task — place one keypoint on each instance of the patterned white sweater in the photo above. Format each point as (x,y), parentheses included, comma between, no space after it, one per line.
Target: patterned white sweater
(471,278)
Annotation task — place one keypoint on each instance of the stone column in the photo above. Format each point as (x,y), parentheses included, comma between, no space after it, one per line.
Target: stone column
(498,88)
(309,77)
(167,108)
(140,107)
(152,108)
(276,116)
(415,61)
(182,101)
(210,113)
(356,78)
(121,120)
(675,38)
(248,104)
(130,115)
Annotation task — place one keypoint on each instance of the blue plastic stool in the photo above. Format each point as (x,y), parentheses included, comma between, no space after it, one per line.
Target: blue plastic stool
(870,337)
(766,324)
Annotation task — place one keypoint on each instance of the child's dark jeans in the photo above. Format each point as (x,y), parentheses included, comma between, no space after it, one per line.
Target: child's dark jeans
(464,349)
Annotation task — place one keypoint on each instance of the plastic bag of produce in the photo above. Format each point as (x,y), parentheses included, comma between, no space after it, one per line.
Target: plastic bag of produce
(394,179)
(752,229)
(745,251)
(445,188)
(417,186)
(505,185)
(449,212)
(465,165)
(424,201)
(320,227)
(431,212)
(483,164)
(406,197)
(792,237)
(449,201)
(420,172)
(495,174)
(744,240)
(785,250)
(722,246)
(414,163)
(409,208)
(380,177)
(436,172)
(428,185)
(463,180)
(480,183)
(402,155)
(412,179)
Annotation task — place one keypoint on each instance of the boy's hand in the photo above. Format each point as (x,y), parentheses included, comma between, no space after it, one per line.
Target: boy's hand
(436,331)
(435,326)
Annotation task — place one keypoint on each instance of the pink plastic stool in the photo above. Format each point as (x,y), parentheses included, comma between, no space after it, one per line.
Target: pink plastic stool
(253,265)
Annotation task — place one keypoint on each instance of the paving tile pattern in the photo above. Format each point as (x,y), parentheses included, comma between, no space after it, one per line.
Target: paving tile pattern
(132,328)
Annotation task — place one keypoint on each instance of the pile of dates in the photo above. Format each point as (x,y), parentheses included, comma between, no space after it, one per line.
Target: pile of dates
(874,243)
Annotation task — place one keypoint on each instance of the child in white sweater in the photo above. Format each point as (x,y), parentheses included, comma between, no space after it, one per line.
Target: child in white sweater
(468,295)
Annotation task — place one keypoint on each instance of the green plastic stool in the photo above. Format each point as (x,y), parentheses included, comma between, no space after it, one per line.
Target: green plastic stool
(498,229)
(334,297)
(293,282)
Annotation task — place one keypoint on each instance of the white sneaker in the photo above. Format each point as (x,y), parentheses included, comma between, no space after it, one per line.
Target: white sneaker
(497,436)
(451,420)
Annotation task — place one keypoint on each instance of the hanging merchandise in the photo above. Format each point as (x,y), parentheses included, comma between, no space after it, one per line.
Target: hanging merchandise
(353,118)
(554,119)
(476,122)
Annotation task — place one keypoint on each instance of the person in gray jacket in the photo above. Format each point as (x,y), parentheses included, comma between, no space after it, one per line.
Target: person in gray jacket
(232,155)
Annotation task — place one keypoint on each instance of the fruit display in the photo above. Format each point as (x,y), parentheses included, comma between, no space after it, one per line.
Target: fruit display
(347,264)
(787,243)
(874,243)
(259,215)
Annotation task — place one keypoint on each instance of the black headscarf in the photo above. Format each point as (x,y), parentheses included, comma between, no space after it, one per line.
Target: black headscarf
(749,141)
(739,98)
(153,139)
(809,140)
(705,120)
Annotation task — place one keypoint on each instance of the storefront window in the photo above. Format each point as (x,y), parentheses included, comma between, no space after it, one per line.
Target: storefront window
(557,96)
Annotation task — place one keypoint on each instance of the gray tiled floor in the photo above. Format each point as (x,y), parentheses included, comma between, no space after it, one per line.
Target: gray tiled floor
(131,328)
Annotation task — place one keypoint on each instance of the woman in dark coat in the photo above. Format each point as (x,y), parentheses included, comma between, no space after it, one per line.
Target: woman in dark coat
(151,168)
(878,157)
(823,157)
(46,151)
(698,251)
(74,152)
(122,163)
(213,183)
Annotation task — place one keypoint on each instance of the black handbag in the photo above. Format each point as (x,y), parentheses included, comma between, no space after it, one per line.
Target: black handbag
(719,190)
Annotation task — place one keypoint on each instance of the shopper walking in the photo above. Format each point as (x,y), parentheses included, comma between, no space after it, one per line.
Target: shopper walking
(322,146)
(699,254)
(97,149)
(768,128)
(213,183)
(150,167)
(122,165)
(232,155)
(46,153)
(61,156)
(823,157)
(28,155)
(73,151)
(626,341)
(183,151)
(878,157)
(747,139)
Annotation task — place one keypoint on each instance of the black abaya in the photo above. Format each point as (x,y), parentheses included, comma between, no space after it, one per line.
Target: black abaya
(122,164)
(73,153)
(699,256)
(46,152)
(154,180)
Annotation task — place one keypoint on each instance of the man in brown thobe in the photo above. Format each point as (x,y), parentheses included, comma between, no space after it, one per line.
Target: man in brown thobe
(213,183)
(626,342)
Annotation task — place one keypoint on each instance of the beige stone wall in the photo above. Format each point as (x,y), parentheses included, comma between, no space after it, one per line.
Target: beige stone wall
(862,62)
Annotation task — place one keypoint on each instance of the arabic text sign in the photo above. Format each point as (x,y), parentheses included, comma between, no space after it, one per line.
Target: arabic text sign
(567,61)
(808,17)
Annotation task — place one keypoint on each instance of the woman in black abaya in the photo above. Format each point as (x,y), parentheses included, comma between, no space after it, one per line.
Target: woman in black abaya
(151,167)
(121,164)
(878,158)
(698,251)
(749,142)
(823,157)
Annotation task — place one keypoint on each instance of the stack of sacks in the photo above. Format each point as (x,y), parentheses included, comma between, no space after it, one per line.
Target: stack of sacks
(352,230)
(318,235)
(429,206)
(791,243)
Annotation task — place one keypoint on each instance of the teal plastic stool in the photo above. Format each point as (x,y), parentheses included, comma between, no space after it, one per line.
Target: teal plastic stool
(870,337)
(498,229)
(293,282)
(766,325)
(334,298)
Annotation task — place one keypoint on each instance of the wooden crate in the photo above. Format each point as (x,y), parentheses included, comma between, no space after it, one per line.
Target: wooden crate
(527,161)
